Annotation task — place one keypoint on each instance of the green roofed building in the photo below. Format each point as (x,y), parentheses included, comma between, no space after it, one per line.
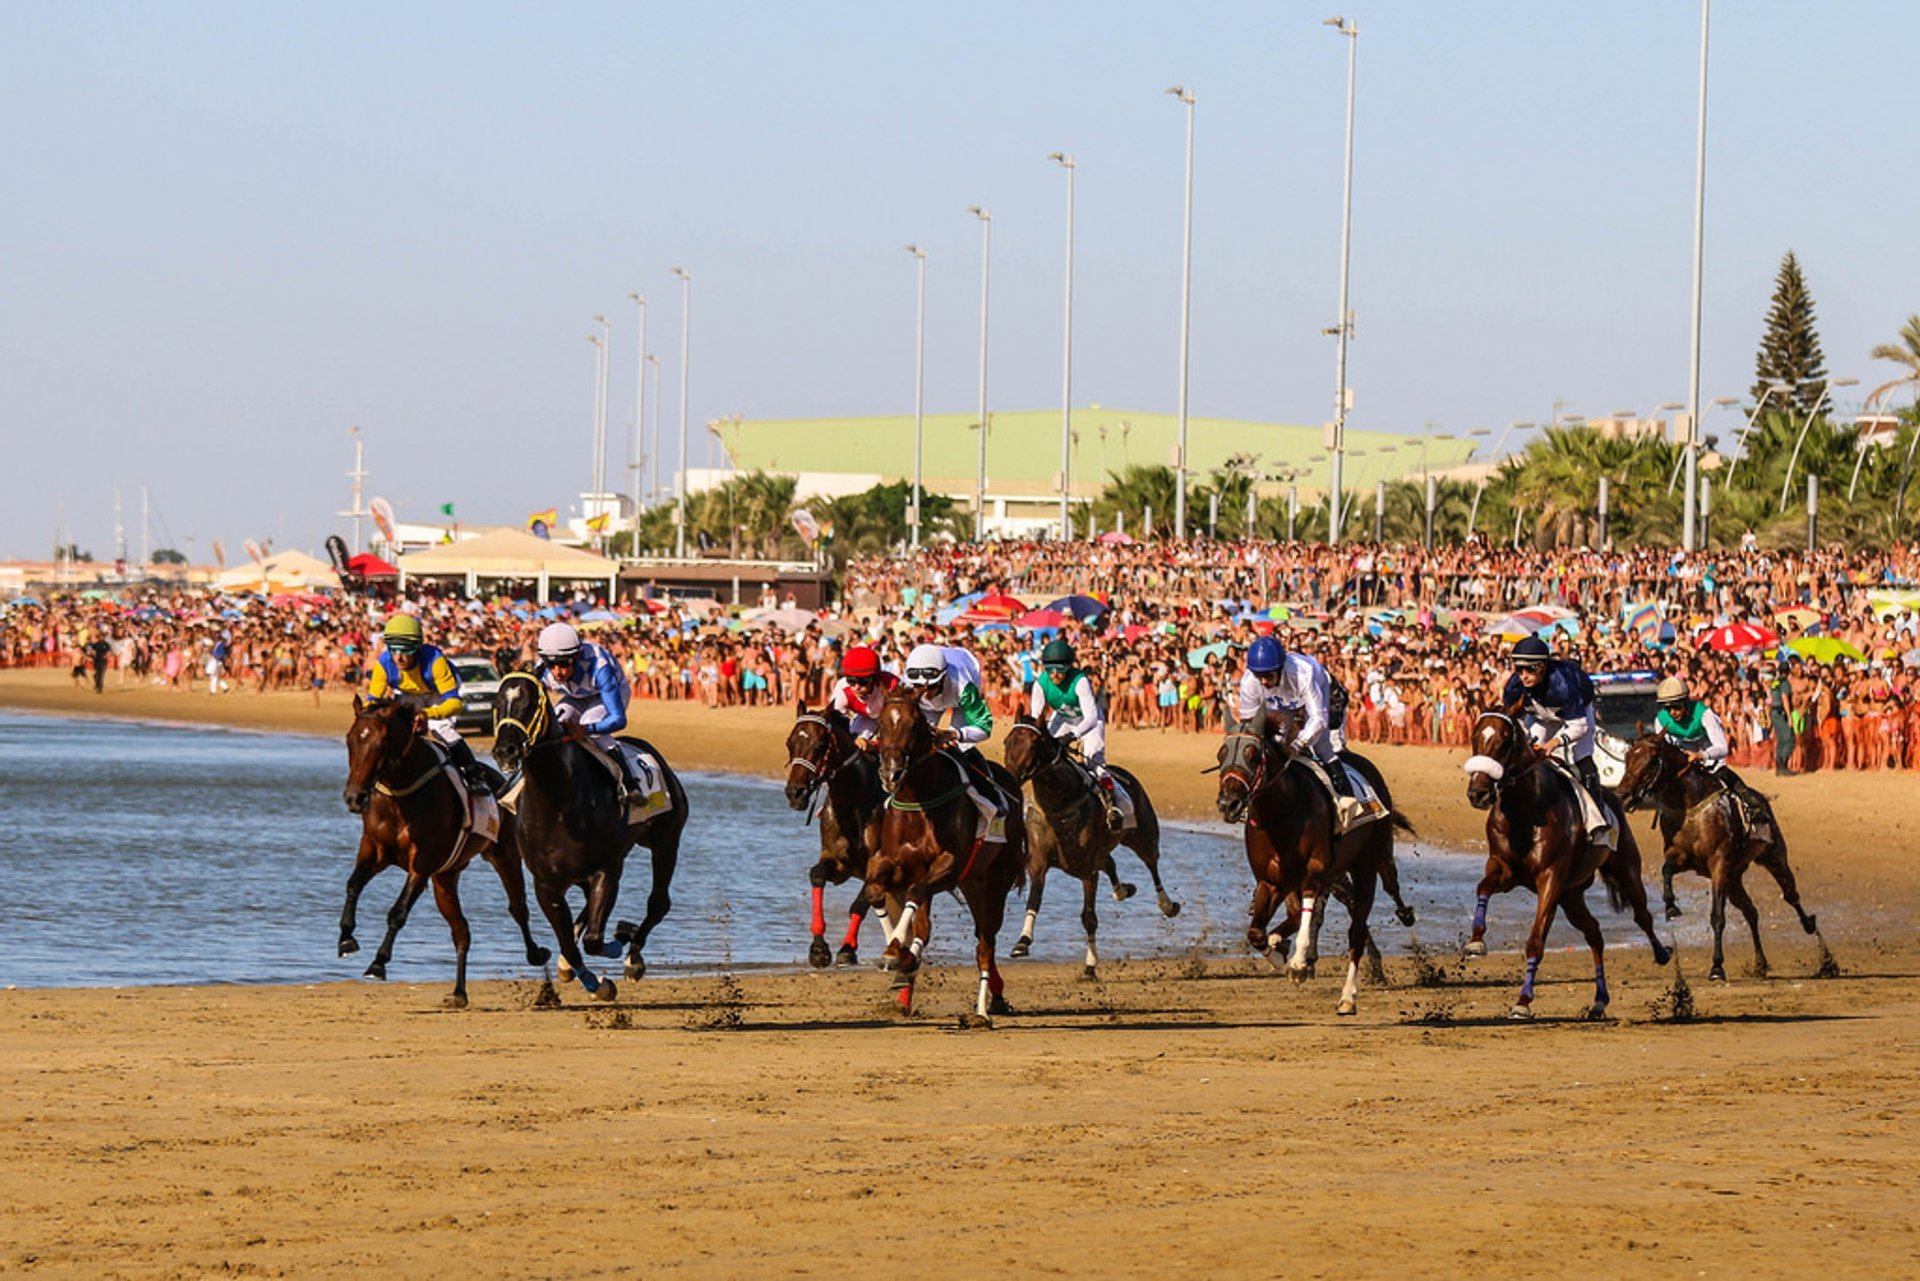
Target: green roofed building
(836,456)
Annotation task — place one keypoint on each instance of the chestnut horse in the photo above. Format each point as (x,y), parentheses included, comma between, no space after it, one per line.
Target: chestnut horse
(1291,847)
(572,831)
(411,817)
(1537,836)
(1067,828)
(930,842)
(1695,818)
(821,754)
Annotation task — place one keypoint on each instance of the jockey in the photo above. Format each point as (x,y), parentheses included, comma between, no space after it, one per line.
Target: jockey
(1063,699)
(592,692)
(947,681)
(1554,699)
(860,690)
(1277,681)
(418,674)
(1692,726)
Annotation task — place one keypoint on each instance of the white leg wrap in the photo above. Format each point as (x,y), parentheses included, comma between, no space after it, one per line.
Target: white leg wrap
(905,928)
(1093,958)
(1298,960)
(980,1005)
(1352,990)
(1026,928)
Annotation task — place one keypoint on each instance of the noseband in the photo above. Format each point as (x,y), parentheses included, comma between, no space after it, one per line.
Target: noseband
(535,726)
(1503,773)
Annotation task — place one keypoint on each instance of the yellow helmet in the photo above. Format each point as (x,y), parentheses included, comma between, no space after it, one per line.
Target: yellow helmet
(403,634)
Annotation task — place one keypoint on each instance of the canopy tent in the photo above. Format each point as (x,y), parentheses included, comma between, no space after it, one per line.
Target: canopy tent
(280,573)
(367,565)
(510,553)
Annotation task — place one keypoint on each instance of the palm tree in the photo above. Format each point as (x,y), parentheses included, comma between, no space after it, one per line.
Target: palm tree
(1906,354)
(1133,494)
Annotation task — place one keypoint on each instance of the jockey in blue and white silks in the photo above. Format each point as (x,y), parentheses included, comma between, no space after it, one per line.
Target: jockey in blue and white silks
(589,688)
(1297,684)
(1553,698)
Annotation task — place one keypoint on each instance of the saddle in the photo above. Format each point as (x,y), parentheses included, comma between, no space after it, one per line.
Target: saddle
(986,795)
(1349,812)
(479,811)
(1122,795)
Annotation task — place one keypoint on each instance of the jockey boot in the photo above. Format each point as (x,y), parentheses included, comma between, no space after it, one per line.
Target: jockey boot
(1109,799)
(1337,775)
(470,768)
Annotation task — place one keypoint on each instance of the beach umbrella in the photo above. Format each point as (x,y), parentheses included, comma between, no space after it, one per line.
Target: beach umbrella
(1197,658)
(1796,616)
(1041,620)
(998,603)
(1738,638)
(1514,627)
(1113,536)
(1824,649)
(1080,607)
(786,619)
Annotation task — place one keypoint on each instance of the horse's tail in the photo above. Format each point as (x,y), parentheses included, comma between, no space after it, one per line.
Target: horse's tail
(1402,822)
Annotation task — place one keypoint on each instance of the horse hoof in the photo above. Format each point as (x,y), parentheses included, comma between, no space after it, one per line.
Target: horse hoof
(563,969)
(1475,948)
(634,970)
(1761,970)
(1022,946)
(605,992)
(1718,974)
(975,1022)
(378,970)
(1673,912)
(1123,891)
(845,956)
(348,947)
(1404,915)
(997,1004)
(1810,924)
(1299,973)
(538,956)
(1168,908)
(819,955)
(1089,975)
(1347,1008)
(1596,1013)
(1661,953)
(1521,1014)
(457,1001)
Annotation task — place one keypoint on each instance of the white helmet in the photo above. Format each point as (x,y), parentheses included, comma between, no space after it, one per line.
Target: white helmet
(926,666)
(559,640)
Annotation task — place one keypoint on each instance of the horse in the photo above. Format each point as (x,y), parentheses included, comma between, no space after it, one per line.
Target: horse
(1695,820)
(1537,836)
(931,841)
(821,754)
(1291,847)
(573,832)
(1067,828)
(412,817)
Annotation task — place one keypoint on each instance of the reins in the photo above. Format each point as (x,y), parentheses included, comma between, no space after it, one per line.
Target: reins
(536,728)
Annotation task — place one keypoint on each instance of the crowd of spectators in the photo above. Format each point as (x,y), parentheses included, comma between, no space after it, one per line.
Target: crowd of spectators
(1412,635)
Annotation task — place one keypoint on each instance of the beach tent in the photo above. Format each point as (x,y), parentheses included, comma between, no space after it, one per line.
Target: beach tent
(281,573)
(510,553)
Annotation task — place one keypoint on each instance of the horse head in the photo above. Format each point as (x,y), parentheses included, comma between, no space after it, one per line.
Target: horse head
(522,719)
(1652,763)
(1244,763)
(381,735)
(1030,748)
(903,737)
(1501,752)
(817,745)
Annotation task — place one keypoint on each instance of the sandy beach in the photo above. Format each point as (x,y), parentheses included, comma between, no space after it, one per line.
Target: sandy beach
(1184,1115)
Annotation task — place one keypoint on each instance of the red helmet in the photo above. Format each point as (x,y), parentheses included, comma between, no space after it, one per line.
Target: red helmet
(860,662)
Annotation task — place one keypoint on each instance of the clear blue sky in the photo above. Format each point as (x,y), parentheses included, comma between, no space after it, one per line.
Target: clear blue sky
(231,231)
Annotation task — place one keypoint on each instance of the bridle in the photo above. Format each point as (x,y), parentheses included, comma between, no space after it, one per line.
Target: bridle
(1508,770)
(1055,754)
(538,721)
(819,772)
(1257,780)
(377,777)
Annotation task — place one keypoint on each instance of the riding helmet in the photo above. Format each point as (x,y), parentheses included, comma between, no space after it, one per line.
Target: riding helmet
(1672,690)
(559,641)
(1531,652)
(926,666)
(860,662)
(1265,655)
(1058,653)
(403,634)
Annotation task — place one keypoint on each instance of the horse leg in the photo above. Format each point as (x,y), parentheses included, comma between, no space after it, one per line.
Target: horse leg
(1775,861)
(396,917)
(1036,890)
(446,895)
(1090,922)
(1737,892)
(365,864)
(818,955)
(665,860)
(1145,844)
(849,953)
(1717,917)
(552,899)
(1575,906)
(1122,890)
(1667,870)
(1306,940)
(1622,871)
(1359,938)
(1259,913)
(1482,894)
(1390,882)
(507,865)
(603,890)
(1549,892)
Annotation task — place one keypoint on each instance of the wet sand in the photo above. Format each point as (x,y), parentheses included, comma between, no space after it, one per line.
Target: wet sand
(1181,1116)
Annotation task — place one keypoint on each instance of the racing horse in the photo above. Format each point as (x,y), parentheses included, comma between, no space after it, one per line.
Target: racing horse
(931,842)
(1292,849)
(822,757)
(1695,820)
(573,832)
(1067,828)
(411,817)
(1537,836)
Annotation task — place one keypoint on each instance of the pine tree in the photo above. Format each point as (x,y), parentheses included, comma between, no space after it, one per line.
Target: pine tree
(1790,349)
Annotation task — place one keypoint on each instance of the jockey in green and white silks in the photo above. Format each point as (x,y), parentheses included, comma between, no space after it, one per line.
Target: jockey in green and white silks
(1063,700)
(1691,725)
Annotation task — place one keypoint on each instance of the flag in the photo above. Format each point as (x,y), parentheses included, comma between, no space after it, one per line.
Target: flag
(446,509)
(547,518)
(598,524)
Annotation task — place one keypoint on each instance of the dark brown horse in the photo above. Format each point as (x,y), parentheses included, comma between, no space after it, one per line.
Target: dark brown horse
(826,768)
(411,817)
(931,842)
(1696,822)
(1537,837)
(573,832)
(1292,850)
(1067,828)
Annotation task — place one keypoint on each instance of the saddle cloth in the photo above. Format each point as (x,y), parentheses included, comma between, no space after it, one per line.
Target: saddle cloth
(1600,828)
(650,797)
(1122,797)
(1350,812)
(482,812)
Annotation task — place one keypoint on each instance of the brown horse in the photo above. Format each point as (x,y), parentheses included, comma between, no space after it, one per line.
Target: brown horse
(931,842)
(1067,828)
(1292,850)
(1695,818)
(411,817)
(821,755)
(1537,836)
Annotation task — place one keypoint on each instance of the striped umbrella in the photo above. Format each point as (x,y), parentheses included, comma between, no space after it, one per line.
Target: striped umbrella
(1738,638)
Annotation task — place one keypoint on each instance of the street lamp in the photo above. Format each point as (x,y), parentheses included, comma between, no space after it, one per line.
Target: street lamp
(919,382)
(680,483)
(1691,454)
(1781,388)
(1343,330)
(639,416)
(1185,95)
(599,419)
(1801,438)
(980,476)
(1065,161)
(1493,460)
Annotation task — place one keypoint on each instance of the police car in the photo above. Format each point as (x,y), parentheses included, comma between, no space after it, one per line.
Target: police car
(1623,702)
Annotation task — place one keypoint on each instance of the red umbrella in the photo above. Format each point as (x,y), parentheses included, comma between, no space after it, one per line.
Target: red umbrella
(998,606)
(1738,638)
(1041,620)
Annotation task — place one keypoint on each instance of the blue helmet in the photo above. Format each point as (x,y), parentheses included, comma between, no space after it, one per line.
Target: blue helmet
(1265,655)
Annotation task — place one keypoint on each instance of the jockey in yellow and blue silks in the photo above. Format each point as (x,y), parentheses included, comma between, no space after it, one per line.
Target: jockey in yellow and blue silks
(591,690)
(418,674)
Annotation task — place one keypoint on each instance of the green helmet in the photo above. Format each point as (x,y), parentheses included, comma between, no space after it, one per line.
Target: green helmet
(1058,653)
(403,634)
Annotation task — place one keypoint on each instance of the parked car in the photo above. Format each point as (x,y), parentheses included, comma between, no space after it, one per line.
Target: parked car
(1623,704)
(479,684)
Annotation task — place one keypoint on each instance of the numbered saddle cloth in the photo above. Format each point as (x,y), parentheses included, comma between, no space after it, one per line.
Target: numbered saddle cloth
(1350,812)
(482,812)
(649,797)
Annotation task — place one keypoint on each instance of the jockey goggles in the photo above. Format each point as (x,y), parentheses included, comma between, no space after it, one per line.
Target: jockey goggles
(925,677)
